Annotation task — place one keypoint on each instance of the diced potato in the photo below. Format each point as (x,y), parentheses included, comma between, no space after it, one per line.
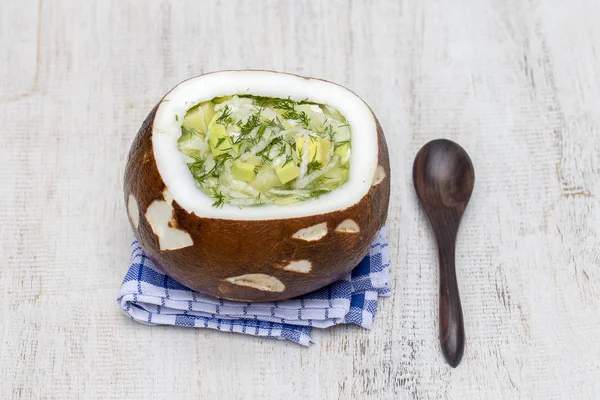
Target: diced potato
(287,172)
(243,171)
(323,146)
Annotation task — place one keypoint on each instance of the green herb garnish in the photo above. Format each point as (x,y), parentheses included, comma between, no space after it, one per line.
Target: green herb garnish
(275,123)
(197,167)
(219,198)
(315,194)
(252,122)
(288,159)
(313,166)
(260,132)
(225,117)
(219,141)
(340,144)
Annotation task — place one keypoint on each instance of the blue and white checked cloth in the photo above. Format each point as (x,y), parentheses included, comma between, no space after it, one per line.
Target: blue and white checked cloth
(151,297)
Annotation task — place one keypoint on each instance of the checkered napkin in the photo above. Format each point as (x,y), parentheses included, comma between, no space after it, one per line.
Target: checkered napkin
(151,297)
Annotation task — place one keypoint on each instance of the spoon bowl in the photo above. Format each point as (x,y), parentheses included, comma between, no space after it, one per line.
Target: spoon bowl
(447,173)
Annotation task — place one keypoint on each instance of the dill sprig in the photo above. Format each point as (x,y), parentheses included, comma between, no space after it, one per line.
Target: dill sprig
(275,123)
(220,160)
(284,104)
(252,122)
(197,167)
(186,134)
(320,181)
(304,119)
(218,197)
(262,101)
(297,116)
(313,166)
(329,132)
(264,154)
(306,101)
(260,133)
(219,142)
(271,144)
(245,129)
(225,117)
(265,159)
(288,159)
(339,144)
(283,149)
(215,170)
(315,194)
(186,130)
(289,107)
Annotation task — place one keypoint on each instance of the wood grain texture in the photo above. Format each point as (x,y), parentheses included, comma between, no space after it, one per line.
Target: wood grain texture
(444,178)
(516,83)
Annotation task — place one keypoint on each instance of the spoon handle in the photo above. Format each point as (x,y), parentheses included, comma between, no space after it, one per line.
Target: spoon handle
(452,331)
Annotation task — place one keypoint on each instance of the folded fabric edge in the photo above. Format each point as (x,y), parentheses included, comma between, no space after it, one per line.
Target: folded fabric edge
(268,330)
(362,315)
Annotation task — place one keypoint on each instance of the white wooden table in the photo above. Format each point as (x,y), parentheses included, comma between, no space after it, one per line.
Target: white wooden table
(517,83)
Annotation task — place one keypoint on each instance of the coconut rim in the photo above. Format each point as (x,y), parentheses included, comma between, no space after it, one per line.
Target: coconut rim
(170,163)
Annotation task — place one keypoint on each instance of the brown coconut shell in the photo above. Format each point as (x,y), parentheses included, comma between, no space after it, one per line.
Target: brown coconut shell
(223,249)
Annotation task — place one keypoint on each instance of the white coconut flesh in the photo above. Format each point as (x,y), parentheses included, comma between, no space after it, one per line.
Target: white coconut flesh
(171,163)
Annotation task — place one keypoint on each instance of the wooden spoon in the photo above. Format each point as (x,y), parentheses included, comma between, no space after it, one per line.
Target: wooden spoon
(444,177)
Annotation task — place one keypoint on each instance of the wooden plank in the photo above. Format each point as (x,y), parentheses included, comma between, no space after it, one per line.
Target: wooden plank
(516,83)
